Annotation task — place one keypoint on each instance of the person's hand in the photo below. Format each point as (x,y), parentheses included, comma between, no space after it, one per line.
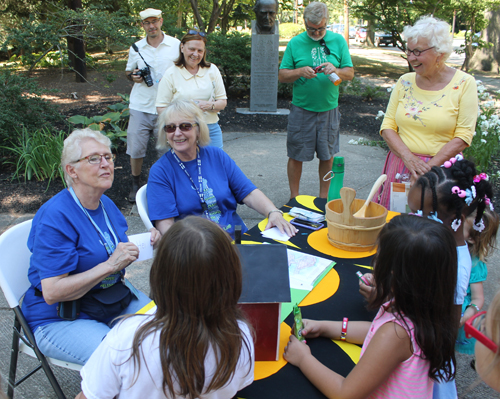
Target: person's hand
(311,328)
(155,236)
(367,290)
(136,78)
(328,68)
(276,219)
(307,72)
(296,351)
(125,253)
(204,105)
(415,165)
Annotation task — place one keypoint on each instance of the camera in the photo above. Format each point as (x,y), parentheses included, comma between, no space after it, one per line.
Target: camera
(145,73)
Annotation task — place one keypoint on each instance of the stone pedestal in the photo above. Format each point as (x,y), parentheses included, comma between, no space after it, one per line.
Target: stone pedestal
(264,73)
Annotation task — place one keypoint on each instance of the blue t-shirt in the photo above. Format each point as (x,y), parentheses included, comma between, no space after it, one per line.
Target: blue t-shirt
(171,194)
(63,240)
(318,94)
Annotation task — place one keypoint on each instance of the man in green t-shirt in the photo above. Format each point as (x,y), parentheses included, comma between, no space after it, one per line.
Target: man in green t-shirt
(313,123)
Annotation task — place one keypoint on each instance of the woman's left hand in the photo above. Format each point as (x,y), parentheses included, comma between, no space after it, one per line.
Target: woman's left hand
(155,236)
(204,105)
(276,219)
(295,351)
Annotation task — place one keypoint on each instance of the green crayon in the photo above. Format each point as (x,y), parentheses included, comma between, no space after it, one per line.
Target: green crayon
(297,318)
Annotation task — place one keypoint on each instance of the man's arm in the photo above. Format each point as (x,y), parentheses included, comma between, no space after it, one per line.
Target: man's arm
(291,75)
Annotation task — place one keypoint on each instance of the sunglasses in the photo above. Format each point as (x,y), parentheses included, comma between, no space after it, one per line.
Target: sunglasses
(475,328)
(325,47)
(183,127)
(196,32)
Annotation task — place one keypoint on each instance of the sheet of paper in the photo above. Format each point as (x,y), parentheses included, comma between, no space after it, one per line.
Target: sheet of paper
(275,234)
(304,269)
(143,241)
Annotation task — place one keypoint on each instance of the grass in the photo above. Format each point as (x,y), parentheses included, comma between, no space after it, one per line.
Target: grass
(369,67)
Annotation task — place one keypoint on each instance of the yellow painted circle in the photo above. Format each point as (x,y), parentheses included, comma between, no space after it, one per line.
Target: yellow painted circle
(326,288)
(319,241)
(265,369)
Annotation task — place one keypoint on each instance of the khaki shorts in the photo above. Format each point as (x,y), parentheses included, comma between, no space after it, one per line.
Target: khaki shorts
(312,132)
(140,127)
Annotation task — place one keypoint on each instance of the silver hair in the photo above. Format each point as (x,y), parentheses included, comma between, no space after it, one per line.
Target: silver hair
(72,149)
(315,12)
(436,31)
(184,109)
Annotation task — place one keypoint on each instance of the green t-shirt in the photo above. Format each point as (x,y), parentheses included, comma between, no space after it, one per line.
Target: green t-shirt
(318,94)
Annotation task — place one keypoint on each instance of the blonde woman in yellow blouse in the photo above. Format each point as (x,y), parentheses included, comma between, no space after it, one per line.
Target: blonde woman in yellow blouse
(432,112)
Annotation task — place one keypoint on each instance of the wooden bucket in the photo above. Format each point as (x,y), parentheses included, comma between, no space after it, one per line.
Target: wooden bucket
(348,232)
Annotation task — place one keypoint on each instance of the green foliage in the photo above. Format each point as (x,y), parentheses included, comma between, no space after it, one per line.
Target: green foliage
(36,154)
(113,124)
(22,106)
(485,143)
(289,30)
(231,53)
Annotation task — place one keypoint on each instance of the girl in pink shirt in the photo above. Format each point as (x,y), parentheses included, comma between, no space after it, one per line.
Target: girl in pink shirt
(411,341)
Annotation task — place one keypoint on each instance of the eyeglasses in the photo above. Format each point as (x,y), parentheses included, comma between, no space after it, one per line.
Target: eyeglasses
(475,328)
(196,32)
(314,30)
(416,53)
(325,47)
(147,23)
(95,159)
(184,127)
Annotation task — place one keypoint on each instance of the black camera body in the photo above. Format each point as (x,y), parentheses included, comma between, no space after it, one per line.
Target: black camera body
(145,73)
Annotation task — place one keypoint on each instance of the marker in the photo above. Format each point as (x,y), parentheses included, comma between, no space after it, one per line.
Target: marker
(363,280)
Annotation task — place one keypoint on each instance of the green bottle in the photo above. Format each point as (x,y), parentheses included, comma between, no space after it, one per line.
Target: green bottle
(337,181)
(297,318)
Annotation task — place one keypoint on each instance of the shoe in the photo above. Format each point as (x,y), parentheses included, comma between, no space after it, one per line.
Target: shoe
(473,364)
(136,181)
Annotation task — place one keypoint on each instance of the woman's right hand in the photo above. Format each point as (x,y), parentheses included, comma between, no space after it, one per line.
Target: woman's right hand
(415,165)
(125,253)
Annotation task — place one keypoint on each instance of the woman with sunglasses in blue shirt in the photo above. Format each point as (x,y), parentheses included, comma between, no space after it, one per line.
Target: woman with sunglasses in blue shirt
(194,78)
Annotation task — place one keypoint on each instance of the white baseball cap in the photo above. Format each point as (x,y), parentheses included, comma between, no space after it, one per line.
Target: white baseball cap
(149,12)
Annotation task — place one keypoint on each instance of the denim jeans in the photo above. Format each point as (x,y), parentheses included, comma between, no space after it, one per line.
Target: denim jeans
(215,135)
(74,341)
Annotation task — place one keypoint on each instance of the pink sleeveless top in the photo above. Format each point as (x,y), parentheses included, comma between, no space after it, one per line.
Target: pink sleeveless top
(411,378)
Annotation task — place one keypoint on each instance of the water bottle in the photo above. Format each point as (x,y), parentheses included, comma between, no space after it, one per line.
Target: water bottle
(337,181)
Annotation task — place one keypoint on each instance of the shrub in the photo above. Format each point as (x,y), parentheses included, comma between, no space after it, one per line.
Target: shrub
(289,30)
(231,53)
(22,107)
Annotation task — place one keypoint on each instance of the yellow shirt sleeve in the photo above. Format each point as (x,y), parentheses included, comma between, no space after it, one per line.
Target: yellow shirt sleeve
(427,120)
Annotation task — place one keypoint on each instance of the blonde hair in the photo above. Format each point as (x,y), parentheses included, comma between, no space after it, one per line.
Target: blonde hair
(483,243)
(184,109)
(436,31)
(72,149)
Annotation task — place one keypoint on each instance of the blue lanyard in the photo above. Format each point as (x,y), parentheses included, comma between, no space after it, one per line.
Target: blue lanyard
(200,181)
(108,244)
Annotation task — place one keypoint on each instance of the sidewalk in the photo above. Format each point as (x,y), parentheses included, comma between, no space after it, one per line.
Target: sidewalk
(262,157)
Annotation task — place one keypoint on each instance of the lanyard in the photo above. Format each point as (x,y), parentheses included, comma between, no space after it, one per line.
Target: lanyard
(108,244)
(200,181)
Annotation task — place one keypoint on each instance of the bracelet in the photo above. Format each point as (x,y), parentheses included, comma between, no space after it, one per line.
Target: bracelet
(213,106)
(343,333)
(276,210)
(475,306)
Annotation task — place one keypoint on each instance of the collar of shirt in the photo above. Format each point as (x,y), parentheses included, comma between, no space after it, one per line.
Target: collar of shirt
(188,75)
(167,41)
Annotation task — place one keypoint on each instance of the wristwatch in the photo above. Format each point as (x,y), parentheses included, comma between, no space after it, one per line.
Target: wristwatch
(213,106)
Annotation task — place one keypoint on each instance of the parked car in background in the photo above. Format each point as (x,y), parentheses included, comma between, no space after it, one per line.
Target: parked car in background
(384,38)
(352,32)
(337,28)
(360,35)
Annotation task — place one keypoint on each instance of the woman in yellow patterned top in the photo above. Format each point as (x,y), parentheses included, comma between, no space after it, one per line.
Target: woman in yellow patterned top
(432,112)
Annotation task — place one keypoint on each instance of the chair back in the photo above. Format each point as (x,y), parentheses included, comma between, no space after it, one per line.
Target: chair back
(142,206)
(15,262)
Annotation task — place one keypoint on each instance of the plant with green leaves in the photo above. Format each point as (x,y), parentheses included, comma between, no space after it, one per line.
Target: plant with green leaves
(113,124)
(485,143)
(36,154)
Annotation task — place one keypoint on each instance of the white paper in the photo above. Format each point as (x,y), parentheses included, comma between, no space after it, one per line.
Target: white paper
(304,269)
(143,241)
(275,234)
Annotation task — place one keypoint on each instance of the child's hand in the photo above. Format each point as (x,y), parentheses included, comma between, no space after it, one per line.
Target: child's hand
(295,351)
(367,290)
(311,329)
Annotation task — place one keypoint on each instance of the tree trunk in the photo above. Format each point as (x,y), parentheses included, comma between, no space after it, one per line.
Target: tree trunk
(196,12)
(179,15)
(79,46)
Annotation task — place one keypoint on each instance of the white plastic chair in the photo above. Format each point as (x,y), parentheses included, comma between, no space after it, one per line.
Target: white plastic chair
(14,265)
(142,206)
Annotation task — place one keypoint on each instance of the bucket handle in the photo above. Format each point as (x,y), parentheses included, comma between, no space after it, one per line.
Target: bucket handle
(331,177)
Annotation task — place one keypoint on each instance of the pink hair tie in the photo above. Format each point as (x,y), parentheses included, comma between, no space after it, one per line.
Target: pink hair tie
(447,164)
(453,160)
(455,190)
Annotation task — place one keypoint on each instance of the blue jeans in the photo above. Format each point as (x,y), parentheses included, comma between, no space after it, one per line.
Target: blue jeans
(215,135)
(74,341)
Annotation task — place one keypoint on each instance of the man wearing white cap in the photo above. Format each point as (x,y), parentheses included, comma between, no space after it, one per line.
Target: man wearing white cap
(159,52)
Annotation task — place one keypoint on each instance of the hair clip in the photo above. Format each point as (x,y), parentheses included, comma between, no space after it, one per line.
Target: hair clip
(456,224)
(478,226)
(433,216)
(418,213)
(456,190)
(488,202)
(470,194)
(459,157)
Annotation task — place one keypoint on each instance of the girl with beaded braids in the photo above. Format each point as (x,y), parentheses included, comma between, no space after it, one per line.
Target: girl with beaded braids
(449,194)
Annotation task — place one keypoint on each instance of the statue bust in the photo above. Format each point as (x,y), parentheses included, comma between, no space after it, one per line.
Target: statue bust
(265,13)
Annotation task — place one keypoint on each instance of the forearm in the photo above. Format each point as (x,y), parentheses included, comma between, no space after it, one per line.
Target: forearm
(289,75)
(219,105)
(346,73)
(259,202)
(164,225)
(395,143)
(449,150)
(356,330)
(160,109)
(326,380)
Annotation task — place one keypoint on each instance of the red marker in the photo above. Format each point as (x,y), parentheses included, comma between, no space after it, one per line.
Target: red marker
(360,276)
